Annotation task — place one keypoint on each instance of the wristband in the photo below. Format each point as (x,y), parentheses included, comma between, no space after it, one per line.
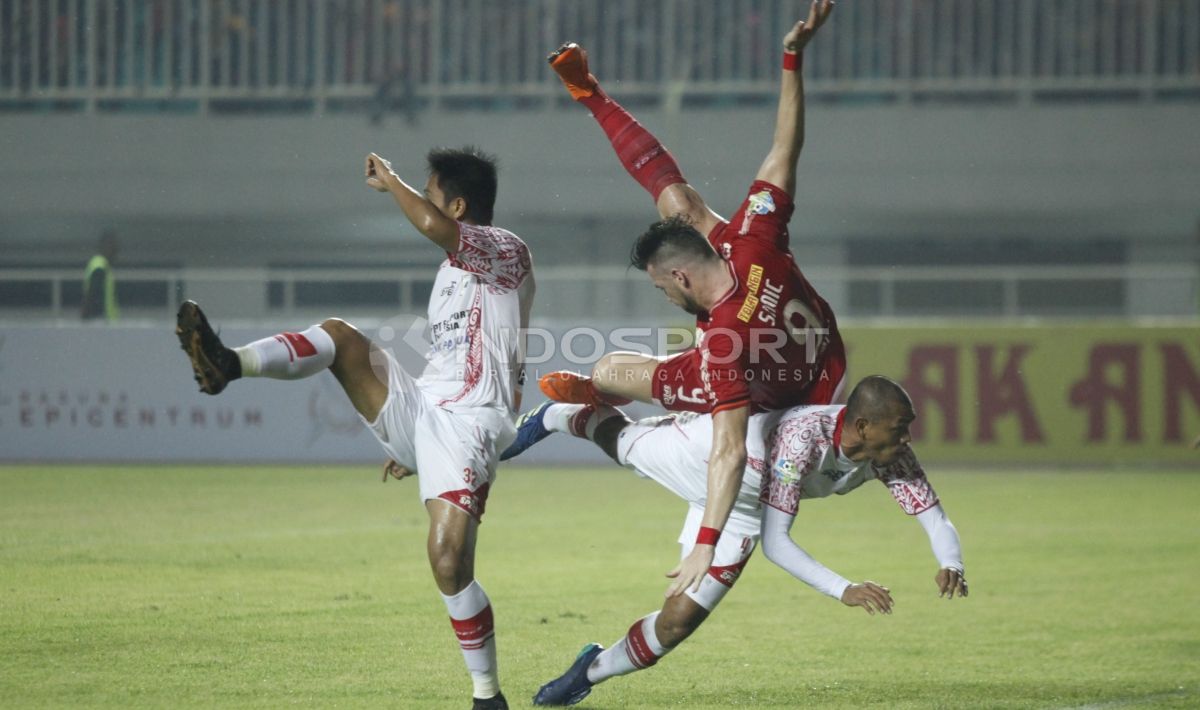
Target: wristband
(792,61)
(708,536)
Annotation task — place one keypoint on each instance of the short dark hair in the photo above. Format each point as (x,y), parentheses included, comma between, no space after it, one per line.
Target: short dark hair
(672,236)
(876,397)
(469,173)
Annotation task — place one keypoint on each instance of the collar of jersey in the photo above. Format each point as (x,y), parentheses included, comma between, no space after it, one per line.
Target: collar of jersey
(837,432)
(732,289)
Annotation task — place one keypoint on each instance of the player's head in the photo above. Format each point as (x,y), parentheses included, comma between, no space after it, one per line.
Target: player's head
(672,253)
(462,183)
(880,412)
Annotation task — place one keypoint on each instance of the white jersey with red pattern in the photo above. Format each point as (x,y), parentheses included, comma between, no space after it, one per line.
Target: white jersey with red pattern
(478,312)
(805,461)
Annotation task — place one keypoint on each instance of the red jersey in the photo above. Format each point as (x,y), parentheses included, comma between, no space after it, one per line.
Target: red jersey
(772,341)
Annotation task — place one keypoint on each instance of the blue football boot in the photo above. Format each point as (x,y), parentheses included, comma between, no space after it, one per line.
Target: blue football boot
(530,430)
(572,686)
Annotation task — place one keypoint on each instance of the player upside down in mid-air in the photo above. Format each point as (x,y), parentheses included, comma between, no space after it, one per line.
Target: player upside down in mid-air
(766,339)
(448,425)
(805,452)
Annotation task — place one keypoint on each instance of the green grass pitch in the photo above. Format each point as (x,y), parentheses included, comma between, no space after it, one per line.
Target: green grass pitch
(273,587)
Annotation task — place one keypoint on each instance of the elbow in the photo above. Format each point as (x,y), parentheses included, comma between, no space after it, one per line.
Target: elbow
(775,547)
(770,549)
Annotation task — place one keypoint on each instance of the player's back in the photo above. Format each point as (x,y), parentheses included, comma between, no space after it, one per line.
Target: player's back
(787,329)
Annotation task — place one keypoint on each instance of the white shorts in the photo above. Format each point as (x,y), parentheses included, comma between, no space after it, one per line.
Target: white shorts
(452,451)
(673,451)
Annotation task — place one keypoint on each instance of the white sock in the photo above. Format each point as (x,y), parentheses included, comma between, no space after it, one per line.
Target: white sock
(288,356)
(471,616)
(639,649)
(578,420)
(558,416)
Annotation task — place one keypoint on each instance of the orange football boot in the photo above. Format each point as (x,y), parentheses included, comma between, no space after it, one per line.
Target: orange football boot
(570,63)
(573,388)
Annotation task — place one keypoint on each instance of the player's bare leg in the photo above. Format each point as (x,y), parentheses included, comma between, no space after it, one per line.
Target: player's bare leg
(334,345)
(616,379)
(359,366)
(451,546)
(640,152)
(626,374)
(648,639)
(451,549)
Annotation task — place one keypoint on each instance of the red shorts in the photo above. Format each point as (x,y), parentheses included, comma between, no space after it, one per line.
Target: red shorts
(678,387)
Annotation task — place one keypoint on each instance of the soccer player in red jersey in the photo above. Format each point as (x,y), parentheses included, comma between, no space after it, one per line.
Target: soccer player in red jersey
(766,339)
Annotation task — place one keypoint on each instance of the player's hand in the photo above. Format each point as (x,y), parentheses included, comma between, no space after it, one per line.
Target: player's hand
(396,471)
(378,171)
(949,581)
(869,596)
(803,31)
(691,570)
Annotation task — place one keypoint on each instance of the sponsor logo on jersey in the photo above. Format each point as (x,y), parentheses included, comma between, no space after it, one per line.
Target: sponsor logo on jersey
(786,471)
(753,282)
(757,204)
(760,203)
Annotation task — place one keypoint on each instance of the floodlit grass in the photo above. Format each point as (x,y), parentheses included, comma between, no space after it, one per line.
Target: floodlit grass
(269,587)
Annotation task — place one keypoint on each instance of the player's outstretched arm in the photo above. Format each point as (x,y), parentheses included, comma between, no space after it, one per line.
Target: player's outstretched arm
(943,539)
(779,167)
(423,214)
(782,550)
(726,467)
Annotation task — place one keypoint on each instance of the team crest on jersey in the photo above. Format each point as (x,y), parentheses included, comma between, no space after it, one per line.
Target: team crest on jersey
(760,203)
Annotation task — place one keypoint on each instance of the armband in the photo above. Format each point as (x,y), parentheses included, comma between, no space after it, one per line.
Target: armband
(792,61)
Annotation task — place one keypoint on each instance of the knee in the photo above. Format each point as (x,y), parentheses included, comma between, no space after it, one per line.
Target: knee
(349,343)
(340,331)
(449,571)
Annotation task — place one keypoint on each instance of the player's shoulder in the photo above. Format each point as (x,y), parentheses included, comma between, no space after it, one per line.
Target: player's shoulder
(491,233)
(808,426)
(824,414)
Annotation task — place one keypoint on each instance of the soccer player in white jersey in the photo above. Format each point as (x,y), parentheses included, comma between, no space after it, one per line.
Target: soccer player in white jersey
(448,424)
(803,452)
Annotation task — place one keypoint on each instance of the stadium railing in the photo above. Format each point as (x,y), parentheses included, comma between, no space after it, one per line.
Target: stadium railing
(318,54)
(617,293)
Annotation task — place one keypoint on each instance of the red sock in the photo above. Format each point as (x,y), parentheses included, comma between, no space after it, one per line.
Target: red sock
(647,160)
